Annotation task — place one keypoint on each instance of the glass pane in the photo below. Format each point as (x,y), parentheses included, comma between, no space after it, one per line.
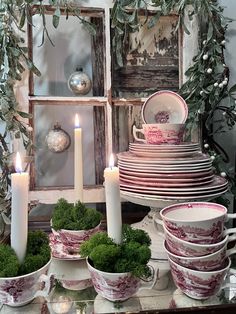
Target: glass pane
(72,49)
(152,61)
(57,168)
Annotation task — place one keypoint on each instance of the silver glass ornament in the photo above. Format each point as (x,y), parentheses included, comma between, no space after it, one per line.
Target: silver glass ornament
(79,82)
(58,140)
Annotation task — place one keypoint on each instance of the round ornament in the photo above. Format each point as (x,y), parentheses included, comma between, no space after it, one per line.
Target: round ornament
(79,82)
(57,139)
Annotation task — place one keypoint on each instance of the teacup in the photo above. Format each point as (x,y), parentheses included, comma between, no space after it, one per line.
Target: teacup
(160,133)
(200,284)
(117,286)
(20,290)
(197,222)
(208,262)
(74,238)
(185,248)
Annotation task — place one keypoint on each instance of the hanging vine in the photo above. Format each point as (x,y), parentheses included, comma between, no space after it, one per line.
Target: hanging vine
(206,89)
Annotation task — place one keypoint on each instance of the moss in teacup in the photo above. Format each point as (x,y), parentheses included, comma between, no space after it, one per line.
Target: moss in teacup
(130,256)
(38,253)
(74,217)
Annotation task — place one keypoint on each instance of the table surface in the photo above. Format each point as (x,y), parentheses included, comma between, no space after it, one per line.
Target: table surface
(62,300)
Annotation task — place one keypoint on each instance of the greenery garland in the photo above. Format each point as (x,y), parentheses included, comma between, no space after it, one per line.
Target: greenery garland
(206,90)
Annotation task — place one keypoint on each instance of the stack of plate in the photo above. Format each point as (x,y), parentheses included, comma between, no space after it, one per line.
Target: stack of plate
(175,176)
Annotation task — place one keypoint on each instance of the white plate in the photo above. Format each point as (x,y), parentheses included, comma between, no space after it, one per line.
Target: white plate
(60,251)
(129,157)
(164,107)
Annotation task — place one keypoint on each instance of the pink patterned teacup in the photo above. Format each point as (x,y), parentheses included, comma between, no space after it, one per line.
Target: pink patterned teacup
(189,249)
(160,133)
(208,262)
(20,290)
(74,238)
(200,285)
(117,286)
(197,222)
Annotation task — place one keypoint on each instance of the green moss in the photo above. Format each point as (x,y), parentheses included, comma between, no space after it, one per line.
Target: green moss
(38,253)
(74,217)
(131,256)
(9,263)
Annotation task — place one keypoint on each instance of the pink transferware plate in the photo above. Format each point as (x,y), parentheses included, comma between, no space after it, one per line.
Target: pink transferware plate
(174,167)
(137,177)
(129,157)
(157,183)
(164,107)
(62,252)
(159,170)
(217,183)
(182,145)
(165,154)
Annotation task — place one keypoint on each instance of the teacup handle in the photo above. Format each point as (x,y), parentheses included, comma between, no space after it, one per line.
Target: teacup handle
(231,251)
(230,284)
(49,283)
(135,130)
(150,284)
(232,238)
(229,231)
(230,216)
(5,298)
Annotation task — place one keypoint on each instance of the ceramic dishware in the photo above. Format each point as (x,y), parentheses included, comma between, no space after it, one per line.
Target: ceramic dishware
(74,237)
(160,133)
(208,262)
(20,290)
(197,222)
(117,286)
(200,284)
(164,107)
(189,249)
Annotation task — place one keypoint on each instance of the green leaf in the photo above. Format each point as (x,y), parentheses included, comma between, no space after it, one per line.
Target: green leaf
(91,28)
(232,89)
(22,19)
(153,20)
(56,17)
(24,114)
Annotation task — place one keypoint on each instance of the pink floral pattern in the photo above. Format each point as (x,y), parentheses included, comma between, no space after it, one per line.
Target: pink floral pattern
(213,234)
(196,286)
(162,117)
(22,289)
(187,249)
(76,284)
(118,289)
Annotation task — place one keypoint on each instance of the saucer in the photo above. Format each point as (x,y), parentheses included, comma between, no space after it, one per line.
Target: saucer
(164,107)
(62,252)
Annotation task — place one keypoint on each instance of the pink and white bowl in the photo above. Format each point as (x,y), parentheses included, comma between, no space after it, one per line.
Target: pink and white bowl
(184,248)
(208,262)
(197,222)
(75,237)
(20,290)
(200,284)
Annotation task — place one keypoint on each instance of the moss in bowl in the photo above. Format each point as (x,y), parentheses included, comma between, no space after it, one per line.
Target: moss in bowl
(74,217)
(130,256)
(38,253)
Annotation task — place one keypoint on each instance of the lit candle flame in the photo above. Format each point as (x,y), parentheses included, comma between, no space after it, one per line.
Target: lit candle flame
(111,161)
(18,165)
(77,125)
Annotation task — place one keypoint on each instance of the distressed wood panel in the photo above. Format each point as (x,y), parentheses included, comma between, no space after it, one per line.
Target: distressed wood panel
(98,57)
(152,61)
